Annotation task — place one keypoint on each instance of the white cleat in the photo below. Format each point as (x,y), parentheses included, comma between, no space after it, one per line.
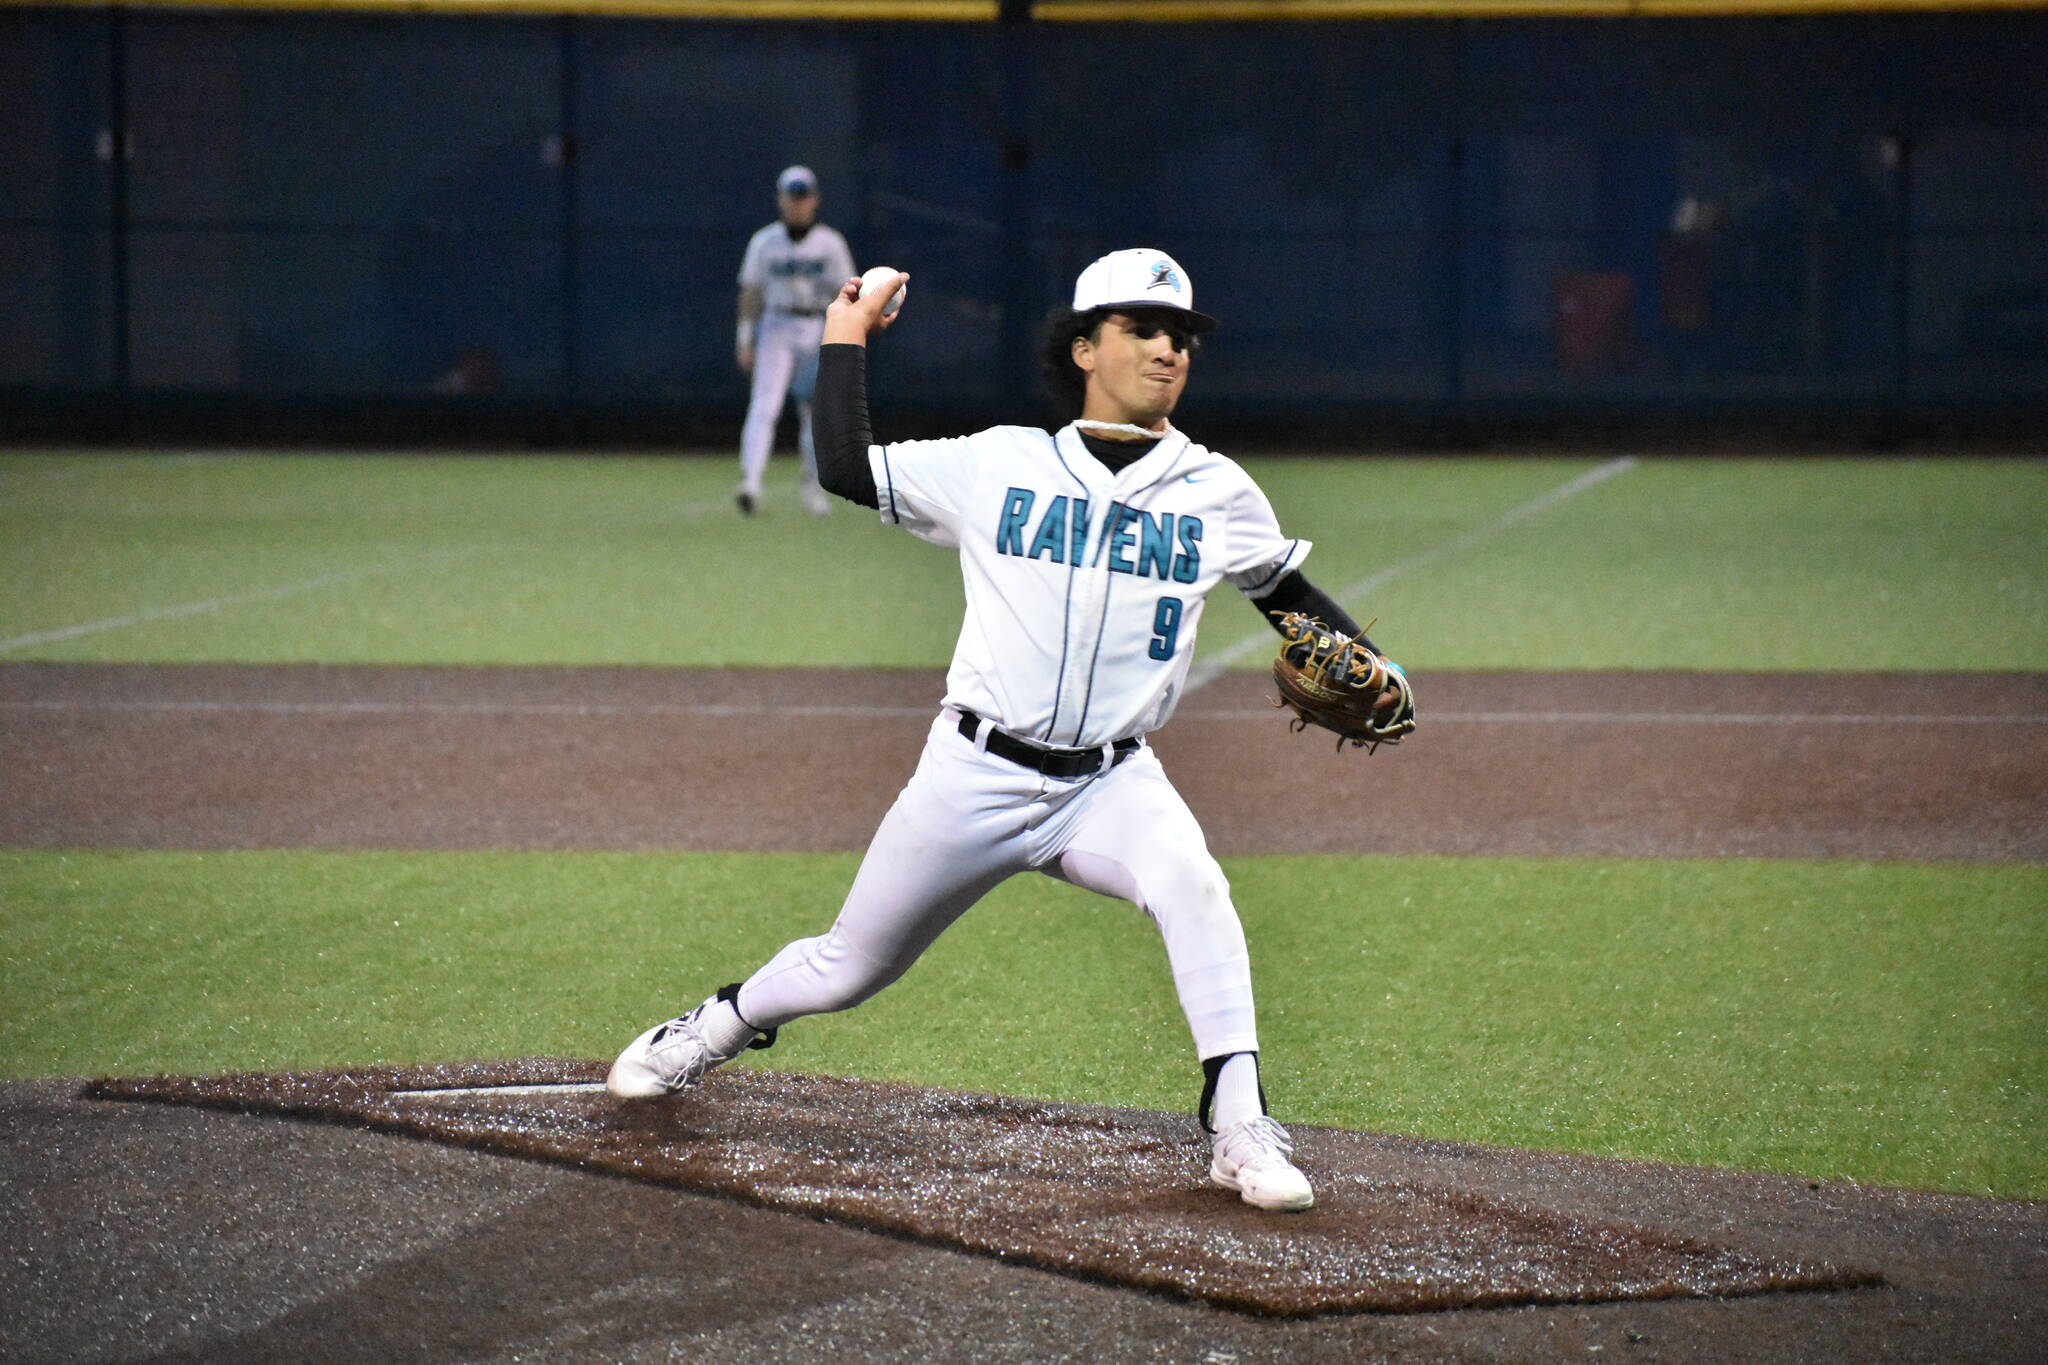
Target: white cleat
(817,501)
(666,1060)
(1251,1158)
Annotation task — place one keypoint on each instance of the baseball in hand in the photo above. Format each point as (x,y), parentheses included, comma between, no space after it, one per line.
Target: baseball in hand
(879,278)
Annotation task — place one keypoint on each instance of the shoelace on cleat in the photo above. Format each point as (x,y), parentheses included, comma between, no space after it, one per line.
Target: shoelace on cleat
(1257,1140)
(677,1032)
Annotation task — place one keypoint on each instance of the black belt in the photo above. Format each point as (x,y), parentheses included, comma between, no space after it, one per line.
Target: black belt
(1051,762)
(803,312)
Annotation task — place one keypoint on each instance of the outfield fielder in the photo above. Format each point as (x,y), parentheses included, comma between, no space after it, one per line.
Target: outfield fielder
(791,270)
(1087,554)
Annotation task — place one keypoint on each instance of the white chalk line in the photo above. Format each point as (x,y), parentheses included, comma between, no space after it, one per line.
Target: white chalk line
(213,604)
(728,710)
(471,1092)
(1214,667)
(1692,718)
(686,514)
(570,709)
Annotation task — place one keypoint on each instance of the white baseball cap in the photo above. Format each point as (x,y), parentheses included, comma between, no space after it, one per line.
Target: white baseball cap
(797,180)
(1139,278)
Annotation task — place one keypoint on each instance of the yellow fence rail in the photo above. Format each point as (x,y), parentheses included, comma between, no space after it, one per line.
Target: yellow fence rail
(1084,11)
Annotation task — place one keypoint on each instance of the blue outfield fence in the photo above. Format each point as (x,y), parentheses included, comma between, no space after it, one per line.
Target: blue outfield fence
(1426,217)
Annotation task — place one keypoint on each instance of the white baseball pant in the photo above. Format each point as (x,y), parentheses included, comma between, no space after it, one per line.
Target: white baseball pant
(785,365)
(966,821)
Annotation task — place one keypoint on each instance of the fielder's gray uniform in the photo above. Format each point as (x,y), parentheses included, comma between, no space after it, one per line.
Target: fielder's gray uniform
(797,278)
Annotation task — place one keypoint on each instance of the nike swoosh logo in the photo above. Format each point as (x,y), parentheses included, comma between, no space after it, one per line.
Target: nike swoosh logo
(1192,478)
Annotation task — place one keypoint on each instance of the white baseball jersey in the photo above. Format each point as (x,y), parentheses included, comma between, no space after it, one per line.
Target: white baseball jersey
(1084,588)
(796,277)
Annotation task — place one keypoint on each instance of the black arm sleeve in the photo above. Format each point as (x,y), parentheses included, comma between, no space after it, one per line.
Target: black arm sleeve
(1296,593)
(839,423)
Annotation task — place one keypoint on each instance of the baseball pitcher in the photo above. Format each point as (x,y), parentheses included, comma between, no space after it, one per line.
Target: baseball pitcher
(1088,554)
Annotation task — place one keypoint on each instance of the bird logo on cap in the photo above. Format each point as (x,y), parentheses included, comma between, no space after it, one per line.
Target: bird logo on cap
(1164,273)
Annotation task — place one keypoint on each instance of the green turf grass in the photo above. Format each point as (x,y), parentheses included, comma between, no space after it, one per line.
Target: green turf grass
(449,560)
(1682,564)
(1717,564)
(1882,1023)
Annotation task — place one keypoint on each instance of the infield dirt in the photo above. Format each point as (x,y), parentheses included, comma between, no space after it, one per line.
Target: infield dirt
(1951,766)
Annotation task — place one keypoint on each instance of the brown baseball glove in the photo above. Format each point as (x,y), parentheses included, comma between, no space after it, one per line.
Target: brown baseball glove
(1341,685)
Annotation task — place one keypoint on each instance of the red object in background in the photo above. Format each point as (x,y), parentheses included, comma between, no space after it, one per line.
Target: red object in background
(1593,317)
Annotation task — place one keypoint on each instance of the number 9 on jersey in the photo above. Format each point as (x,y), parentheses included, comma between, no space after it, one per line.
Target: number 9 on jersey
(1165,628)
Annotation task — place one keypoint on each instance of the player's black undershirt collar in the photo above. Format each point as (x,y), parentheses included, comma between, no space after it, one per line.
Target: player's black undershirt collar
(1117,456)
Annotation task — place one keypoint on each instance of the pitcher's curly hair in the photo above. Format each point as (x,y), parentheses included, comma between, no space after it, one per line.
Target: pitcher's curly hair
(1065,383)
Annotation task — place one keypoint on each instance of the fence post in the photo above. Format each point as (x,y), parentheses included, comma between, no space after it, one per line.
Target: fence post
(1017,74)
(119,146)
(571,244)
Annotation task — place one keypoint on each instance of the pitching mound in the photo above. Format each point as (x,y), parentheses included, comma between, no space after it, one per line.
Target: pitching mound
(1116,1196)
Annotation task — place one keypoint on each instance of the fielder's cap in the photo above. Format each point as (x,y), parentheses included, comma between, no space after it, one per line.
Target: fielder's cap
(797,180)
(1139,278)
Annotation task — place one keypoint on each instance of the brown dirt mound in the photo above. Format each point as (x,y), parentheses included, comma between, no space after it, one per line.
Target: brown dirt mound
(1116,1196)
(164,1232)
